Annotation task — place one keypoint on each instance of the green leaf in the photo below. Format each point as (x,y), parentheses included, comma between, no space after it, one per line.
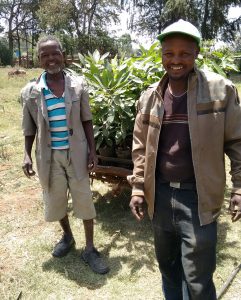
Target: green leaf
(136,79)
(218,69)
(96,55)
(77,65)
(111,117)
(154,46)
(94,69)
(104,55)
(99,141)
(99,80)
(81,58)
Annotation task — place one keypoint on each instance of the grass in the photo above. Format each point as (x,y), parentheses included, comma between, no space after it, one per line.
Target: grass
(27,269)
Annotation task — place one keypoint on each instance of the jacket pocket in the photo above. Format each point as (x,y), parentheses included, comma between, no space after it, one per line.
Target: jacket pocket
(216,106)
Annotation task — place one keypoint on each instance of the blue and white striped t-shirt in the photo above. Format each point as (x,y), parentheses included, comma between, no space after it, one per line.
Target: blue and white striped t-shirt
(57,119)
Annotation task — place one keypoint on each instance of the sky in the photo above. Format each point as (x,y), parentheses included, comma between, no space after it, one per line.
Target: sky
(121,28)
(234,12)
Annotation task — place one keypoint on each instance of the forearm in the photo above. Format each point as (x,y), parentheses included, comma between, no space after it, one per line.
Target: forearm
(28,145)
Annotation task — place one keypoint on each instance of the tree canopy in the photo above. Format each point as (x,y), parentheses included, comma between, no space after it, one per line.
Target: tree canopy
(210,16)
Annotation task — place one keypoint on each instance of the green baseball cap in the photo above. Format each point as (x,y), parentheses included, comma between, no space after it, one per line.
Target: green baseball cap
(182,27)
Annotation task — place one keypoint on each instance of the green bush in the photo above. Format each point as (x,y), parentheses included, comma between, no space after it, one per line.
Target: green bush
(220,61)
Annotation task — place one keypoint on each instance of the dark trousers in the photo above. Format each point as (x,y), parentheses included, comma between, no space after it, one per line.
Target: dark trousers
(185,251)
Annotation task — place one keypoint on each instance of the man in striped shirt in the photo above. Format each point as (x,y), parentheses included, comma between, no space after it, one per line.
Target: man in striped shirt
(56,112)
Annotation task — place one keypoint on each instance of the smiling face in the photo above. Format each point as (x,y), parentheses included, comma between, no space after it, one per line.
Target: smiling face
(51,57)
(178,56)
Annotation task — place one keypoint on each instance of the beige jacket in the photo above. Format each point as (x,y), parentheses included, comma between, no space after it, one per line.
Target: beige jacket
(214,115)
(35,122)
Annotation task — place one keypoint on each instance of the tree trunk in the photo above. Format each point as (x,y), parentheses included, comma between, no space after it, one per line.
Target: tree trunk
(26,44)
(32,50)
(19,49)
(10,44)
(10,39)
(160,9)
(92,12)
(84,24)
(204,30)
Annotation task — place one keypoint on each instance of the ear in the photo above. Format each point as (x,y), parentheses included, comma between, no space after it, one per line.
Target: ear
(64,53)
(197,52)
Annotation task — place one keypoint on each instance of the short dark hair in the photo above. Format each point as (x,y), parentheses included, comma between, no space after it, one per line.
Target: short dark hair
(48,38)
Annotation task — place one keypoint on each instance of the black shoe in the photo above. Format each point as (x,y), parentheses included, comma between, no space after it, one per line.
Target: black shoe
(63,246)
(95,261)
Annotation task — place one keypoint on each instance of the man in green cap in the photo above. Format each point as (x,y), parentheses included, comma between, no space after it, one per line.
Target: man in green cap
(184,126)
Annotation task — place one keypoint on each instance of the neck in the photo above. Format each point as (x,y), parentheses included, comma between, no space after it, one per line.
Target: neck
(177,88)
(55,77)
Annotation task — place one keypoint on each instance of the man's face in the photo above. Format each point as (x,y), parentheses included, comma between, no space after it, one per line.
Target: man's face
(178,56)
(51,57)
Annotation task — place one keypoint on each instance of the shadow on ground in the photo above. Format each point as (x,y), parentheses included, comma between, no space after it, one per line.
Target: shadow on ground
(73,268)
(130,240)
(116,220)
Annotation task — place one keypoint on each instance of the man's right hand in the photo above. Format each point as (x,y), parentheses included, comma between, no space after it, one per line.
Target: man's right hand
(28,167)
(137,207)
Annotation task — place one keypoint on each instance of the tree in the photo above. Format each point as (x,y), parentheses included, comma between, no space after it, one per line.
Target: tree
(210,16)
(16,14)
(81,17)
(124,44)
(215,19)
(55,16)
(80,24)
(86,19)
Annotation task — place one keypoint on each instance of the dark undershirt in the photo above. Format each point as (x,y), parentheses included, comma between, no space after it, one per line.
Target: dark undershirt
(174,157)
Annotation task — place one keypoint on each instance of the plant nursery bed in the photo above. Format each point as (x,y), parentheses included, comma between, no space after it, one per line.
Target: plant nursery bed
(112,170)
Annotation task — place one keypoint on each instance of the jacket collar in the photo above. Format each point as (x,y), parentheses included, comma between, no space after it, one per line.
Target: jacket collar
(70,82)
(160,86)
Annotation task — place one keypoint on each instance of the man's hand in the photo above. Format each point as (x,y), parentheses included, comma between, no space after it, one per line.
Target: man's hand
(137,207)
(28,167)
(235,207)
(92,161)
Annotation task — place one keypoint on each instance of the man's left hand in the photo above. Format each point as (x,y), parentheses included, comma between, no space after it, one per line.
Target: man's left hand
(92,161)
(235,207)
